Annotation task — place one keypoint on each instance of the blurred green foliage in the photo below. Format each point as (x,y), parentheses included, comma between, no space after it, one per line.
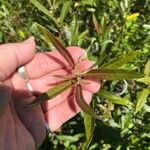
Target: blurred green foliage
(105,29)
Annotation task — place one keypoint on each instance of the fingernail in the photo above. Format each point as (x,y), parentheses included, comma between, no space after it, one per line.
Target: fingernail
(30,39)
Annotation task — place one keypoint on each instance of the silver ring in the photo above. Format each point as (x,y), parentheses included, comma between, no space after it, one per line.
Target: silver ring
(49,133)
(23,73)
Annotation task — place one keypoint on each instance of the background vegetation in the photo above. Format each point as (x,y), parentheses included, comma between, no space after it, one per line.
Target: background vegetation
(100,27)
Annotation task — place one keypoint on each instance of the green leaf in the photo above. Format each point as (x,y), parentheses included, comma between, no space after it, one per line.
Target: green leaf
(62,49)
(114,98)
(121,60)
(82,36)
(65,9)
(69,138)
(45,11)
(145,80)
(112,74)
(142,97)
(82,103)
(147,68)
(41,8)
(127,121)
(51,93)
(89,128)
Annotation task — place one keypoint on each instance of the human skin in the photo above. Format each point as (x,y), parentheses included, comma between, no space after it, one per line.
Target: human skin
(25,128)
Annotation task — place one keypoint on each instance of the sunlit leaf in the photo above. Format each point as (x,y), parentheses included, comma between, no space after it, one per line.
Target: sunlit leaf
(147,68)
(89,128)
(65,9)
(113,124)
(145,80)
(62,49)
(45,11)
(82,103)
(132,16)
(121,60)
(114,98)
(142,97)
(127,120)
(51,93)
(112,74)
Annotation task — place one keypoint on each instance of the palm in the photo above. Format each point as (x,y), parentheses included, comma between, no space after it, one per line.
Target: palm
(46,66)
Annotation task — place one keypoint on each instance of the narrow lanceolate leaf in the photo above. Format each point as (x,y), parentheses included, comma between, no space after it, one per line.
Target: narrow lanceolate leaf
(147,68)
(112,74)
(45,11)
(89,128)
(142,97)
(51,93)
(41,8)
(121,60)
(114,98)
(82,103)
(62,49)
(145,80)
(96,24)
(65,9)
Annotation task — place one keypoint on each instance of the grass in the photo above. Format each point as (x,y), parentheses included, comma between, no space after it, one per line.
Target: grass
(106,30)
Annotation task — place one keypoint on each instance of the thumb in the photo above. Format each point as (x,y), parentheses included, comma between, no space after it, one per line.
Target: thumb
(13,55)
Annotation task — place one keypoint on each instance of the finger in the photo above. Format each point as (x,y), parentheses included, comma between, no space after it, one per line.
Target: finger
(14,55)
(33,118)
(59,114)
(45,63)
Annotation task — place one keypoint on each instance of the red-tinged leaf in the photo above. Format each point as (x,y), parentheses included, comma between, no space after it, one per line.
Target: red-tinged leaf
(67,77)
(51,93)
(62,49)
(96,24)
(112,74)
(82,103)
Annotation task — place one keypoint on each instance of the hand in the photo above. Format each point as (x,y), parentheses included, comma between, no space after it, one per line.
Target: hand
(28,124)
(19,129)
